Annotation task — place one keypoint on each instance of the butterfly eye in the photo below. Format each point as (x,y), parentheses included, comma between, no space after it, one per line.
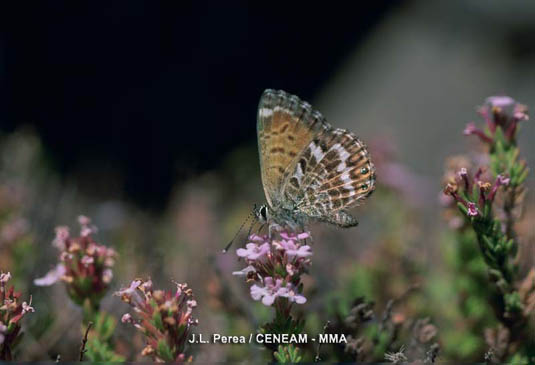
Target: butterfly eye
(364,186)
(263,212)
(364,170)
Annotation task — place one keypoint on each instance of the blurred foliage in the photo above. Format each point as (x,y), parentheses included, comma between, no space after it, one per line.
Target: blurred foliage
(99,343)
(401,280)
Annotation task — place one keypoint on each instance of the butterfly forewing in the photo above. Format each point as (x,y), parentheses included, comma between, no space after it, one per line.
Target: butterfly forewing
(285,126)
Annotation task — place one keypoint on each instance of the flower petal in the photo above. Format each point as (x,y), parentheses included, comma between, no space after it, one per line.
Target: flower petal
(52,276)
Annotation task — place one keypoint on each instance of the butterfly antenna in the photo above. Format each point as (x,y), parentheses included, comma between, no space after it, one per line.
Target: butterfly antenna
(225,250)
(255,220)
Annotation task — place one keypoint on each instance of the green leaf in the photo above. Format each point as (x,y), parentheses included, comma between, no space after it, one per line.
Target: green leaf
(98,350)
(157,321)
(164,351)
(513,303)
(287,354)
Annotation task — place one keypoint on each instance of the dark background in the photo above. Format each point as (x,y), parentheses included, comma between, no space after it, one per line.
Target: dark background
(157,91)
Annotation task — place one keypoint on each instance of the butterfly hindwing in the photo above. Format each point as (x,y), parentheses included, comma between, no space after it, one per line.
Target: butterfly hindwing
(334,172)
(345,175)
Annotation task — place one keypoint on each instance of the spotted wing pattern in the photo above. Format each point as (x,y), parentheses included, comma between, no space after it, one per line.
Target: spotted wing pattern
(307,166)
(337,174)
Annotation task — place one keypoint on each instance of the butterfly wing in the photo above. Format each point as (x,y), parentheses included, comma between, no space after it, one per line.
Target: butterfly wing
(285,126)
(334,172)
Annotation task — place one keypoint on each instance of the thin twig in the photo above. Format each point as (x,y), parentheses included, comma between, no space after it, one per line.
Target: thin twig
(84,341)
(317,358)
(387,314)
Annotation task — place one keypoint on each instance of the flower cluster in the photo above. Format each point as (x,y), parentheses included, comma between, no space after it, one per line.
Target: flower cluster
(474,195)
(11,312)
(163,317)
(276,266)
(493,220)
(85,266)
(499,111)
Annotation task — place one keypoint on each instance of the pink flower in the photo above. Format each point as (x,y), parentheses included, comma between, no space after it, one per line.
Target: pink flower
(131,294)
(87,260)
(472,129)
(293,250)
(268,293)
(4,278)
(293,236)
(52,276)
(83,220)
(146,286)
(64,256)
(86,229)
(245,271)
(284,260)
(84,265)
(130,290)
(27,307)
(502,180)
(253,251)
(62,234)
(520,112)
(290,269)
(469,129)
(257,238)
(290,292)
(500,101)
(472,209)
(107,276)
(164,318)
(126,318)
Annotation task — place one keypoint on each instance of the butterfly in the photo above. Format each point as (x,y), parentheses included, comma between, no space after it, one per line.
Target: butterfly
(310,170)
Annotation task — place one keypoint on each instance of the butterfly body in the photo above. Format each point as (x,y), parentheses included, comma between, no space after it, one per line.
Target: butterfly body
(310,171)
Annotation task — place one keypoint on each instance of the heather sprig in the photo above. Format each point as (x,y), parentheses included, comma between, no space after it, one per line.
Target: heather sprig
(489,199)
(12,310)
(85,266)
(501,114)
(275,266)
(475,198)
(165,318)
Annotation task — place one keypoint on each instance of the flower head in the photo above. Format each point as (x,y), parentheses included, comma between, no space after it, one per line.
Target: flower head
(164,318)
(275,266)
(84,265)
(460,190)
(499,112)
(4,278)
(12,310)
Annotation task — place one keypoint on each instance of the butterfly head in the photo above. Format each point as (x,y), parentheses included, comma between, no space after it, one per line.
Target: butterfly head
(262,213)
